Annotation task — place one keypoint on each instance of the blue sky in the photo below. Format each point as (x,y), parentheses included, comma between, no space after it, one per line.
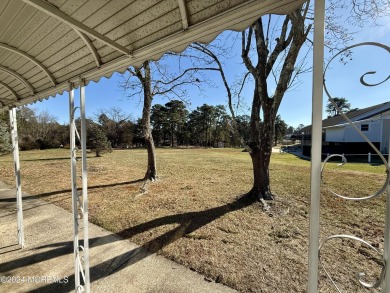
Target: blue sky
(342,81)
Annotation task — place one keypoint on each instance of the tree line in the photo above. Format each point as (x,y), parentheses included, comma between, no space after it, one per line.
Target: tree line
(172,125)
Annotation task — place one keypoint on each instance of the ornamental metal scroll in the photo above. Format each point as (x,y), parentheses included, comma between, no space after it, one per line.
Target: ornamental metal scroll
(344,161)
(359,275)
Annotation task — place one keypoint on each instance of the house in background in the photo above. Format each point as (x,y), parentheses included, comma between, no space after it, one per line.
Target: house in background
(339,136)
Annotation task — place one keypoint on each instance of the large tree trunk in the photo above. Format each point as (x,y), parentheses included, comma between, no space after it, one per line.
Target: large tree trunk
(151,171)
(261,157)
(262,133)
(261,183)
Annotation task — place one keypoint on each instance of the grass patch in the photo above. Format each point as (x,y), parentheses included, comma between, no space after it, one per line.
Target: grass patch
(193,214)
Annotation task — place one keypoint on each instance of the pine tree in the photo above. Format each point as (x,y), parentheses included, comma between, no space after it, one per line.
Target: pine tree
(97,141)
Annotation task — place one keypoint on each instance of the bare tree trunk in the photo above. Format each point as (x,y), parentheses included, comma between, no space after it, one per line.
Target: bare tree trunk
(261,157)
(151,171)
(260,144)
(261,183)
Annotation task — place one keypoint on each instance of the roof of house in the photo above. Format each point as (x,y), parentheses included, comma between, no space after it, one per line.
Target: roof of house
(355,115)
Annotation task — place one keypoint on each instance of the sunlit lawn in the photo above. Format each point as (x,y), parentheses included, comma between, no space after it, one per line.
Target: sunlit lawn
(191,214)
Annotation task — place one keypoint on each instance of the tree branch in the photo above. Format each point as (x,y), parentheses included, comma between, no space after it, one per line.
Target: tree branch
(261,47)
(281,45)
(299,37)
(245,51)
(185,72)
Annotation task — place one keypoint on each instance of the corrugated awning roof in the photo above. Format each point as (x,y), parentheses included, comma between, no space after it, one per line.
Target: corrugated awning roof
(46,45)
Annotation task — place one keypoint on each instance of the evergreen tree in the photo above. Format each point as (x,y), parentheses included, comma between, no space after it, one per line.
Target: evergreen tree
(97,140)
(280,129)
(341,103)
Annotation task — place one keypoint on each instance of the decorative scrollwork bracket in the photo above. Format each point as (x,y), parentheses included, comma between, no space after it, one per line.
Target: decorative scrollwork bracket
(380,191)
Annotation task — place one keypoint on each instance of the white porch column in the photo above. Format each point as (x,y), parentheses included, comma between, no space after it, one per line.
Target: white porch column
(73,154)
(316,145)
(79,200)
(15,146)
(85,186)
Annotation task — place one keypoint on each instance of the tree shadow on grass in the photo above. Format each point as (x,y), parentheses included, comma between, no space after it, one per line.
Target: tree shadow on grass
(41,195)
(48,159)
(187,223)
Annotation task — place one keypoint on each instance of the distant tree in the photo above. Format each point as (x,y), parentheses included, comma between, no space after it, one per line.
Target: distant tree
(208,125)
(126,134)
(222,120)
(176,115)
(117,126)
(243,129)
(195,127)
(27,128)
(299,128)
(158,119)
(207,116)
(5,143)
(39,131)
(342,104)
(280,129)
(47,133)
(46,121)
(97,140)
(290,130)
(138,135)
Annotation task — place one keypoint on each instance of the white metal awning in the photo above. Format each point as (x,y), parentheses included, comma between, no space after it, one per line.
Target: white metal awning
(45,45)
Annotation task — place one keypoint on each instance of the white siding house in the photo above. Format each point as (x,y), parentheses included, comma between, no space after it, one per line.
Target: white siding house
(338,135)
(376,129)
(347,133)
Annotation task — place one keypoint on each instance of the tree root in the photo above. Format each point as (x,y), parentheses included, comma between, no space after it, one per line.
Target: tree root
(266,206)
(144,187)
(261,197)
(258,195)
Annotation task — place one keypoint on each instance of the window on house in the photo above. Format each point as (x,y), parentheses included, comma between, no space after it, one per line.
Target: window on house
(364,127)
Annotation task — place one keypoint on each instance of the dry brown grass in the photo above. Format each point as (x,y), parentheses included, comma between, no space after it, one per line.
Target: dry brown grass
(193,214)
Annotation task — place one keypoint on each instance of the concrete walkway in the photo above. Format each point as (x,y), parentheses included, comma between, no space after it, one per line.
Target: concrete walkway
(117,265)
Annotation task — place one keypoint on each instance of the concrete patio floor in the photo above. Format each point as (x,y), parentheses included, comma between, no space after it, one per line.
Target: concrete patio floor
(116,264)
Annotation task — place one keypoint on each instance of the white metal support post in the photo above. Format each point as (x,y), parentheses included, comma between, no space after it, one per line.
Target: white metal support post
(316,137)
(79,201)
(73,154)
(15,146)
(386,252)
(85,186)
